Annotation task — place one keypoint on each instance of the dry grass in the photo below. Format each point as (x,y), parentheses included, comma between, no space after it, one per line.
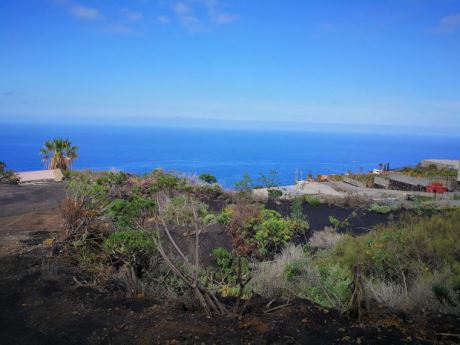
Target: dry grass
(325,239)
(418,297)
(269,280)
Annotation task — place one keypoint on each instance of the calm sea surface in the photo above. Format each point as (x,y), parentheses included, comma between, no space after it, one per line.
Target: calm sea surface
(225,153)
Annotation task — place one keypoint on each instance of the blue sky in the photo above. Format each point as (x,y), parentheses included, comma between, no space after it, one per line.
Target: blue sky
(367,63)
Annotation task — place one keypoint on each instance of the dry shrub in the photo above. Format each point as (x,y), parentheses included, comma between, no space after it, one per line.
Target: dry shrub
(325,239)
(269,276)
(419,296)
(243,213)
(388,293)
(79,220)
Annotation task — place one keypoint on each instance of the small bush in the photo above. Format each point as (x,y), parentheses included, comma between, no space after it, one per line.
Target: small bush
(228,268)
(245,184)
(334,221)
(129,242)
(296,273)
(296,209)
(326,239)
(382,209)
(7,176)
(179,210)
(275,193)
(134,247)
(165,182)
(402,251)
(208,178)
(258,231)
(269,181)
(311,200)
(126,213)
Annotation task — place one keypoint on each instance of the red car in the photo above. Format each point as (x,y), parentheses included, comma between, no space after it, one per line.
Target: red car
(436,188)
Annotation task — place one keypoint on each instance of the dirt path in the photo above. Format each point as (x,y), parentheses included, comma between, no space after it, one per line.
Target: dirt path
(41,302)
(25,209)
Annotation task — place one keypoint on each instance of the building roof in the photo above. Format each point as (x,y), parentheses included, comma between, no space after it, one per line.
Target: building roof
(40,175)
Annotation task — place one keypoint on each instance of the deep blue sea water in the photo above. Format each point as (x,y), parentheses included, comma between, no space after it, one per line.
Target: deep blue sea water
(227,154)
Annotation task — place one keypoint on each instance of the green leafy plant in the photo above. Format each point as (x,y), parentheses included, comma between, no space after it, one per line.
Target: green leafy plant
(311,200)
(126,213)
(334,221)
(165,182)
(179,211)
(112,179)
(132,247)
(245,184)
(208,178)
(296,210)
(382,209)
(294,270)
(275,193)
(270,180)
(231,272)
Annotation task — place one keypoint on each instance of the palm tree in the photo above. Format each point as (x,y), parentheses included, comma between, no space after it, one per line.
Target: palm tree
(58,154)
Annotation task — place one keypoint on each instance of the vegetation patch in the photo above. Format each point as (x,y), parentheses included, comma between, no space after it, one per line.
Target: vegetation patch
(7,176)
(383,208)
(431,171)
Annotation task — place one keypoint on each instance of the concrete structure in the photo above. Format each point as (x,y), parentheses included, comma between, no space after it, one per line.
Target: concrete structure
(440,163)
(405,182)
(40,176)
(381,182)
(354,182)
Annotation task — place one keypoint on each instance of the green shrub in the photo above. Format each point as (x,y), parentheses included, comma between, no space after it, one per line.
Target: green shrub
(265,230)
(431,171)
(179,210)
(269,181)
(335,282)
(296,209)
(125,213)
(402,251)
(7,176)
(225,216)
(382,209)
(334,221)
(245,184)
(112,179)
(311,200)
(165,182)
(275,193)
(273,232)
(228,268)
(129,243)
(208,178)
(295,272)
(441,292)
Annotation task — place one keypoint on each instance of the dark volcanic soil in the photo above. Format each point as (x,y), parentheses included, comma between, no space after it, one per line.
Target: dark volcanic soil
(42,303)
(353,220)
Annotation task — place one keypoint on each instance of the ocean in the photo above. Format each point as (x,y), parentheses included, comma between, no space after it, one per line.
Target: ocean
(227,154)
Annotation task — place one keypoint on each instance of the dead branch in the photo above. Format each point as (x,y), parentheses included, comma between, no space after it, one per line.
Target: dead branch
(208,301)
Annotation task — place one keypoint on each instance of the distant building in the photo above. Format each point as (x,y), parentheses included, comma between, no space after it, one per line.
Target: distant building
(40,176)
